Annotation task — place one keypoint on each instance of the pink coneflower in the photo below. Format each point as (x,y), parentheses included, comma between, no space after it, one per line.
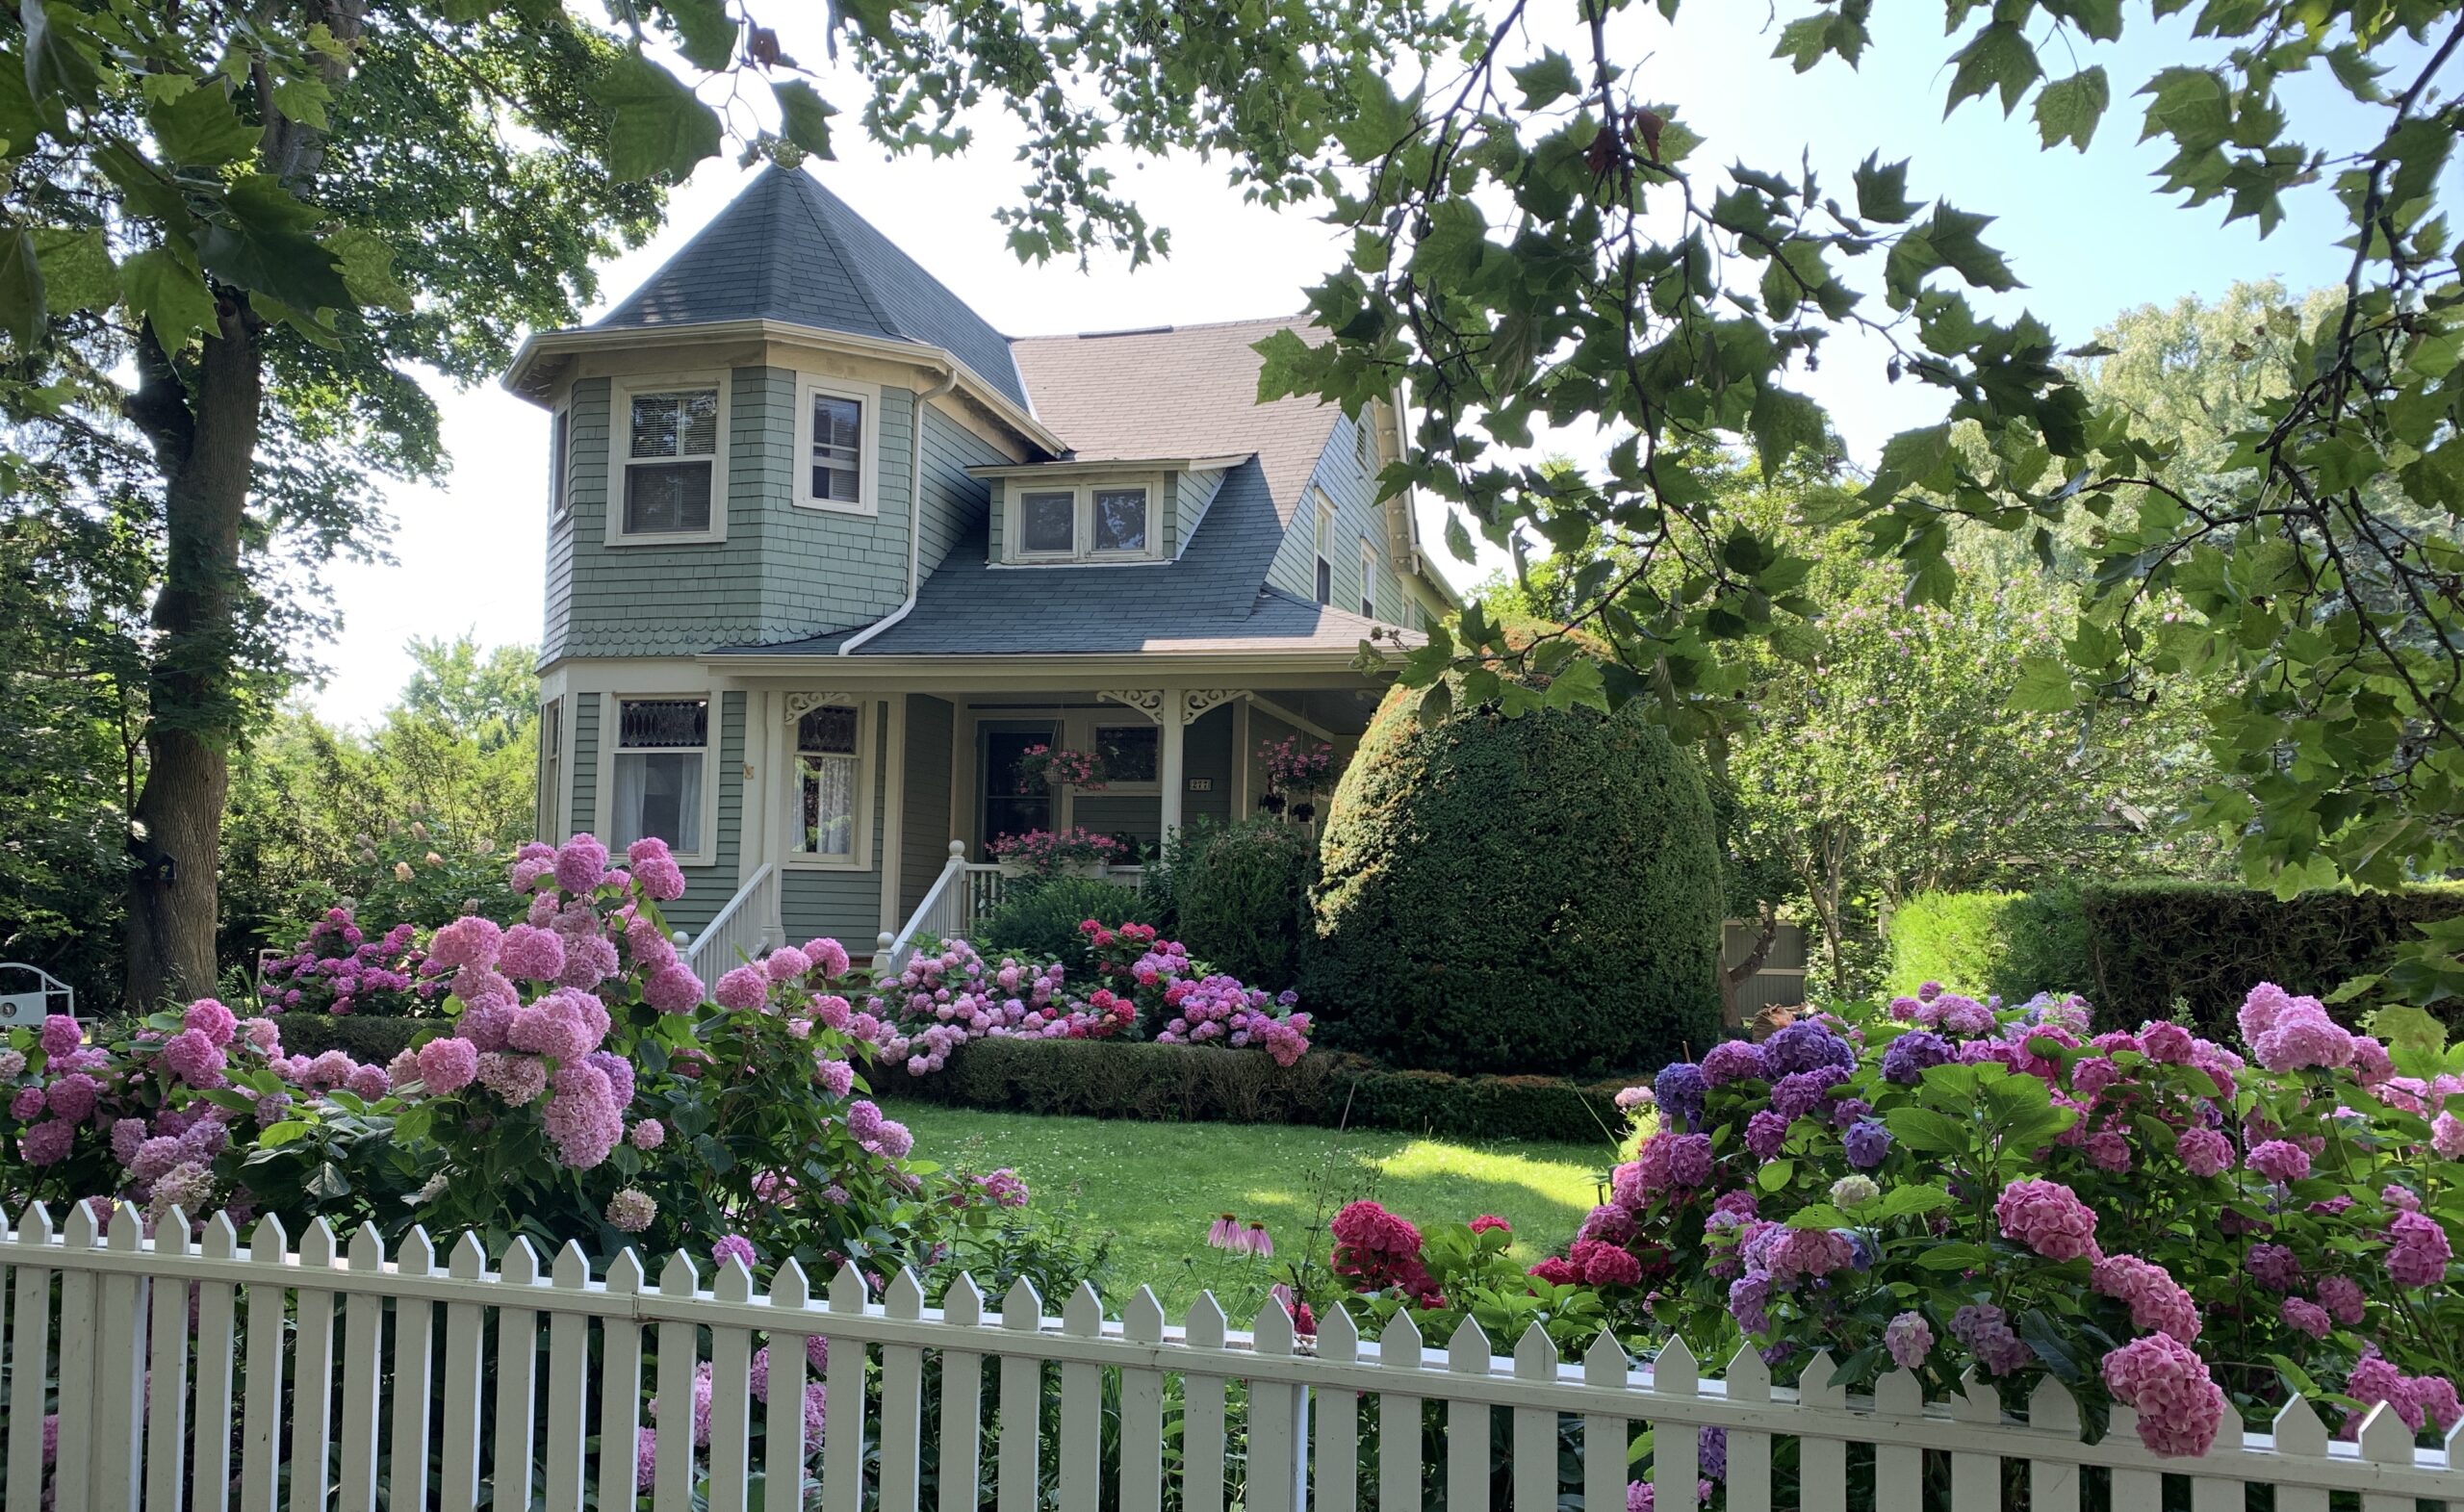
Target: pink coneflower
(1224,1233)
(1255,1240)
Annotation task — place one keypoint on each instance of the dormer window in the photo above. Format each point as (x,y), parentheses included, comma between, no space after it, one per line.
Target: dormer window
(670,459)
(1090,522)
(837,441)
(1120,520)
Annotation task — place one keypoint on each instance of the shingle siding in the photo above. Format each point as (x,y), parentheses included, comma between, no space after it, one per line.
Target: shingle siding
(820,567)
(956,505)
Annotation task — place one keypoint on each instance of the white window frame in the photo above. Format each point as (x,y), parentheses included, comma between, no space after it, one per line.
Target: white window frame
(867,500)
(1082,551)
(790,814)
(560,463)
(1325,530)
(611,732)
(554,816)
(1369,569)
(620,446)
(1094,737)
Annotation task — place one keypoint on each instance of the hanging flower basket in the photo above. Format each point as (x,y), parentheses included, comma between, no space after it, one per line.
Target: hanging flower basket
(1058,766)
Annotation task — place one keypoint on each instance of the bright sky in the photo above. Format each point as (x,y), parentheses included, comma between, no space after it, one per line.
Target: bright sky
(2084,232)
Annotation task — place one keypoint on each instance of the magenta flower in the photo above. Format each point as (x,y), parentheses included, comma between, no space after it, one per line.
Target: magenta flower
(2048,1218)
(2280,1160)
(2420,1252)
(1224,1233)
(2179,1405)
(744,990)
(2204,1151)
(1908,1339)
(2305,1317)
(732,1247)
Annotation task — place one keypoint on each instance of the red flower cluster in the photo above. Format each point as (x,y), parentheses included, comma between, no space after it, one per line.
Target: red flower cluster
(1376,1250)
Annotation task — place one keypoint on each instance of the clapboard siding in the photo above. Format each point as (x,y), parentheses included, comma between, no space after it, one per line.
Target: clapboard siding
(925,831)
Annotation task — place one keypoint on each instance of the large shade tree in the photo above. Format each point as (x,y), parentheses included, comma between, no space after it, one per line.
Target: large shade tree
(228,232)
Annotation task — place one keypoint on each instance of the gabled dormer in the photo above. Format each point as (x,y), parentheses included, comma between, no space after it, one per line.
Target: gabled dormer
(1125,512)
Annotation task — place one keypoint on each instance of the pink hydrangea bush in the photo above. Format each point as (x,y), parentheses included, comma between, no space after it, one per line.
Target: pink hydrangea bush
(338,968)
(941,999)
(2195,1229)
(581,1086)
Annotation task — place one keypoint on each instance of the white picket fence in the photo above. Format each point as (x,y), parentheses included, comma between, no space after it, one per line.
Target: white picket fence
(147,1373)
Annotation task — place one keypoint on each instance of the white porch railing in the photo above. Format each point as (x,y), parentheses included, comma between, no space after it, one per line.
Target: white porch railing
(747,925)
(959,899)
(172,1357)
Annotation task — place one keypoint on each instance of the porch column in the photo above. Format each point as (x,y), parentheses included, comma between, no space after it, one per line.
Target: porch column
(1174,764)
(1181,707)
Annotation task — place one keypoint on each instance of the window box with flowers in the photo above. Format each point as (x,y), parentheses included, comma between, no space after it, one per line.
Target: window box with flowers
(1045,854)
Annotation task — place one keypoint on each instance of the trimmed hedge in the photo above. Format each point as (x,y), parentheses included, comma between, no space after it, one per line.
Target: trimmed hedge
(2135,947)
(1540,893)
(1243,901)
(1190,1084)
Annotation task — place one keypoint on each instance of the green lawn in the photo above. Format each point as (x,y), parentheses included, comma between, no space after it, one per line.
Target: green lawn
(1156,1187)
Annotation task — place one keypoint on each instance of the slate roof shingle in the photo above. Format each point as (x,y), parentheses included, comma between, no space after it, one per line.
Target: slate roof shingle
(788,250)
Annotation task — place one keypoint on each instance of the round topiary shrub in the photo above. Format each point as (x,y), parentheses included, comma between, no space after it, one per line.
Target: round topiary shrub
(1039,922)
(1243,901)
(1532,895)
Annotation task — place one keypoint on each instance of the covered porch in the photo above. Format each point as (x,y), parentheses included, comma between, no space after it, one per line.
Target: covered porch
(869,814)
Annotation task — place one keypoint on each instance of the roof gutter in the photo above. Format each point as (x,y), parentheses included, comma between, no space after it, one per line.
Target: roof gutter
(915,513)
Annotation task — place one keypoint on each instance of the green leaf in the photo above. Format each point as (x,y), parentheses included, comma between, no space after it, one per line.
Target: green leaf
(704,32)
(21,292)
(168,294)
(656,129)
(2069,110)
(261,245)
(58,67)
(1548,78)
(1954,1257)
(1907,1202)
(2044,685)
(77,272)
(200,128)
(1882,190)
(1775,1175)
(1916,456)
(1781,422)
(289,1131)
(804,115)
(1998,57)
(2405,1027)
(1923,1129)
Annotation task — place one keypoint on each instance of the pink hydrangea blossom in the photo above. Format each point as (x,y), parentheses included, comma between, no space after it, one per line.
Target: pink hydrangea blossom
(2204,1151)
(2305,1317)
(2157,1302)
(448,1066)
(210,1019)
(2048,1218)
(1910,1339)
(471,940)
(744,988)
(580,862)
(583,1117)
(2280,1160)
(530,954)
(631,1211)
(2419,1251)
(786,964)
(2342,1299)
(1604,1263)
(828,957)
(2301,1037)
(2178,1403)
(733,1246)
(673,988)
(2446,1137)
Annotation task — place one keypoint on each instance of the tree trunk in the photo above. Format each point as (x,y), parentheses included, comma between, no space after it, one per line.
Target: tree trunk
(204,428)
(1732,978)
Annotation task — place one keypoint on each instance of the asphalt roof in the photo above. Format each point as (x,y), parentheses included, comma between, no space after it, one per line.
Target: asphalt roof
(1212,599)
(788,250)
(1182,391)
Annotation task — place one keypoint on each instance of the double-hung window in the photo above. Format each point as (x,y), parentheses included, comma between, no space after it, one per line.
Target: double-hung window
(827,768)
(837,430)
(668,453)
(1326,545)
(1368,581)
(661,770)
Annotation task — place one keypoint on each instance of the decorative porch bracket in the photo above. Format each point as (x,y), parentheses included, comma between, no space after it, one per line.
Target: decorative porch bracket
(796,705)
(1184,706)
